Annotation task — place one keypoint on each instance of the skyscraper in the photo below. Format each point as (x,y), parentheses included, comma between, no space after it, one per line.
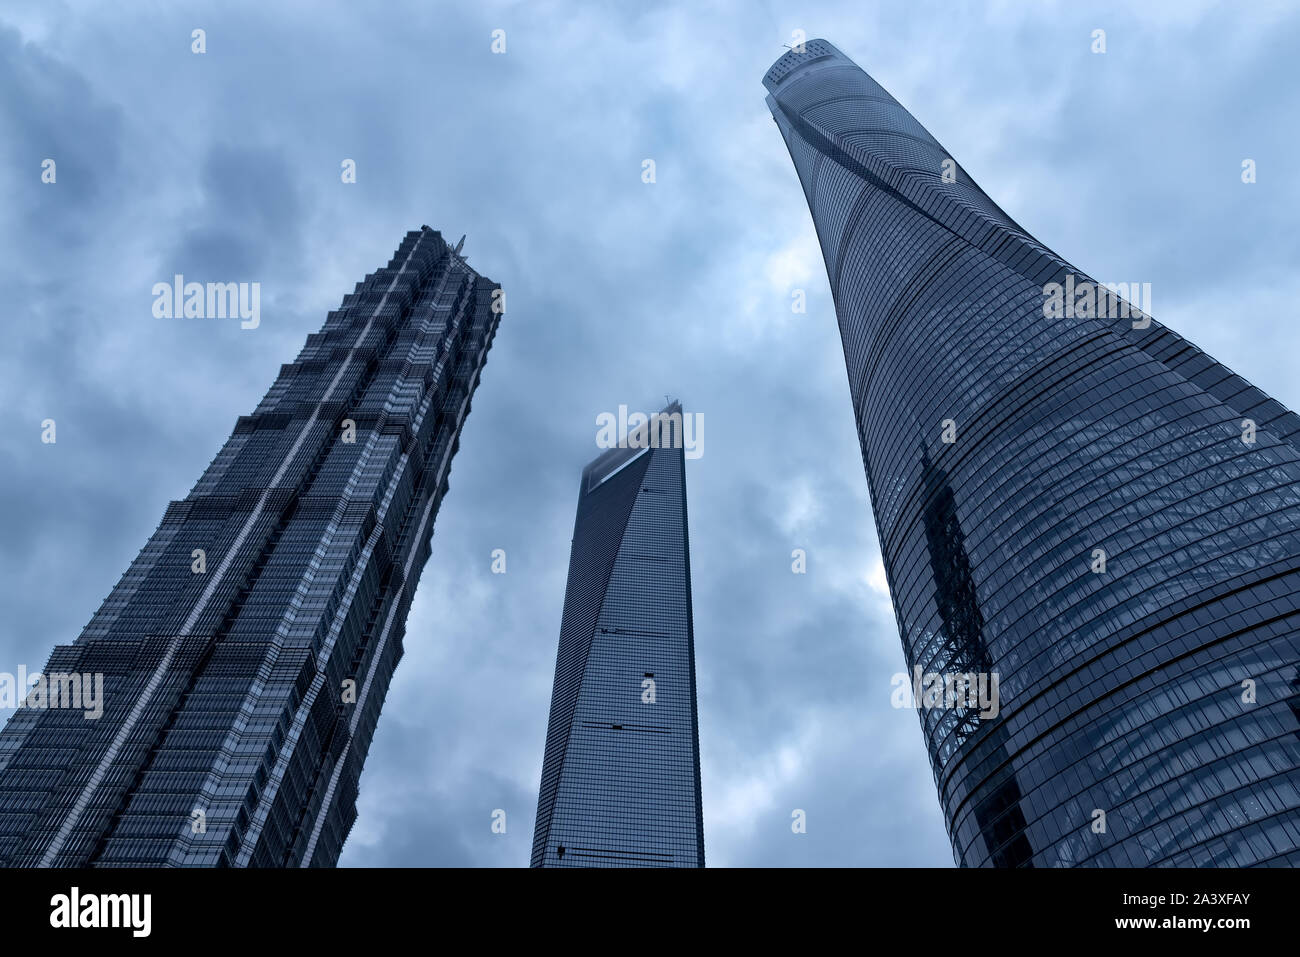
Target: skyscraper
(621,773)
(247,651)
(1068,495)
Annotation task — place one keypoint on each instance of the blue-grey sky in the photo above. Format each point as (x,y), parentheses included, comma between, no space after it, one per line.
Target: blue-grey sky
(225,166)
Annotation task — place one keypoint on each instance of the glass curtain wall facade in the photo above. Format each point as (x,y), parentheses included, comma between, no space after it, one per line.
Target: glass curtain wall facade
(621,773)
(1078,500)
(247,651)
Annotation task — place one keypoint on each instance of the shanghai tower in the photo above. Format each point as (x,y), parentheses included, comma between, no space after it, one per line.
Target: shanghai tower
(621,772)
(1075,500)
(246,653)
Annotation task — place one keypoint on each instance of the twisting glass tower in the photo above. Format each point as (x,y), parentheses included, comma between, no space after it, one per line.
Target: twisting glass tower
(246,653)
(1068,495)
(621,773)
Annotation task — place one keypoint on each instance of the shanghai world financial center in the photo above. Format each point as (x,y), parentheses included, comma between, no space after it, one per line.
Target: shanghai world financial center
(1090,533)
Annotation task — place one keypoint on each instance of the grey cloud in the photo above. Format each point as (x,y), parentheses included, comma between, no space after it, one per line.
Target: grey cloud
(227,166)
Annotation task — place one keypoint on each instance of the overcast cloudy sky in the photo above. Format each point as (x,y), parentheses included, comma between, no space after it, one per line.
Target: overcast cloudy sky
(225,166)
